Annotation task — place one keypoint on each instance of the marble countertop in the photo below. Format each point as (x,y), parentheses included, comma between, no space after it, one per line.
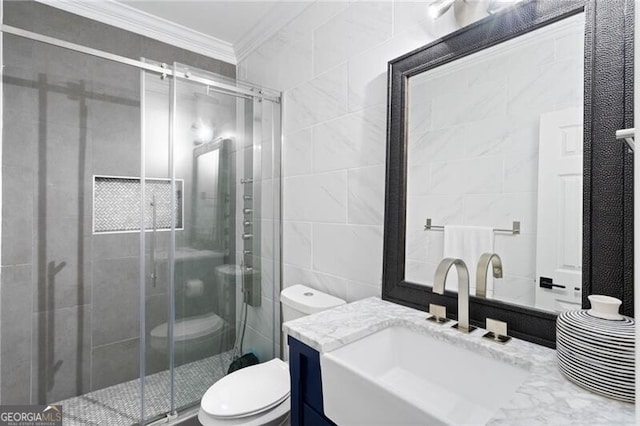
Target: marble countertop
(545,398)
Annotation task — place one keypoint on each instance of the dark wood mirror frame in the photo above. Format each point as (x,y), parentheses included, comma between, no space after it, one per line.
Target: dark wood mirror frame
(608,173)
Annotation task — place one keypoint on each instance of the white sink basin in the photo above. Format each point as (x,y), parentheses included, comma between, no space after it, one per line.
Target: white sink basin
(397,376)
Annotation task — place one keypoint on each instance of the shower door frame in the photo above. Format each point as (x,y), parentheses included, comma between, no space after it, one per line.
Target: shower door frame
(257,95)
(240,89)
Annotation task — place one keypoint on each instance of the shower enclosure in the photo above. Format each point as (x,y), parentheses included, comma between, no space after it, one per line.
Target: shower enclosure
(140,230)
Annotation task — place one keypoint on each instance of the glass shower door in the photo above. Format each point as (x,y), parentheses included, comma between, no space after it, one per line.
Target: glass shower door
(158,219)
(210,251)
(218,291)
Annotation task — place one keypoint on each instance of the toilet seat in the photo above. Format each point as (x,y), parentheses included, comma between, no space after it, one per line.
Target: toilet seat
(248,392)
(277,416)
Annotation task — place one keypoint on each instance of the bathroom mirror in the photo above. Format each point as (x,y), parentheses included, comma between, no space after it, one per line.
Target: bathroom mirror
(210,187)
(504,133)
(496,138)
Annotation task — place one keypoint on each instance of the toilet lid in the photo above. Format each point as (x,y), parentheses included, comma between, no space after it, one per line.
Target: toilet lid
(190,328)
(248,391)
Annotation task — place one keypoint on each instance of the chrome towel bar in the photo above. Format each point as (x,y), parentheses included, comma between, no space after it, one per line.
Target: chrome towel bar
(515,230)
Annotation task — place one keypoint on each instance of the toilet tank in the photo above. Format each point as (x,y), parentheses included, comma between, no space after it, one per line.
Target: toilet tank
(299,301)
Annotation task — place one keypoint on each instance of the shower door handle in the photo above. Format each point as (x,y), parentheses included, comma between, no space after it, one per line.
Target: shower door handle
(152,259)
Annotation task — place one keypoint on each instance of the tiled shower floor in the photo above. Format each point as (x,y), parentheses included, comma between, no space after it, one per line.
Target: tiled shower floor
(119,405)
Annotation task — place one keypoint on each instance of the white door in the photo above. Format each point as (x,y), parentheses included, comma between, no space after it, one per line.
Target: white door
(559,239)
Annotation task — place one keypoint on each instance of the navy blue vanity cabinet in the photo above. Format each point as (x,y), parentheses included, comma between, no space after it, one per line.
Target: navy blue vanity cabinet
(306,386)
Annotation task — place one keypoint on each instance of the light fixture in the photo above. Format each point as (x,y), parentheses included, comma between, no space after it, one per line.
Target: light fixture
(202,132)
(467,12)
(439,7)
(497,5)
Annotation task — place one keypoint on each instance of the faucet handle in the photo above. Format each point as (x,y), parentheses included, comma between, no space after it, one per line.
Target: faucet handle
(438,314)
(497,331)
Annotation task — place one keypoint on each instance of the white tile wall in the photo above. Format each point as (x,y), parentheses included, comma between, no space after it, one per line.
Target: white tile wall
(331,63)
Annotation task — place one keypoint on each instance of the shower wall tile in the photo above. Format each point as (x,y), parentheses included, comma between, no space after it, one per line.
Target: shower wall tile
(64,105)
(21,136)
(360,26)
(19,56)
(119,82)
(63,154)
(15,328)
(112,115)
(115,300)
(68,201)
(64,271)
(61,355)
(115,363)
(107,153)
(117,246)
(19,91)
(17,215)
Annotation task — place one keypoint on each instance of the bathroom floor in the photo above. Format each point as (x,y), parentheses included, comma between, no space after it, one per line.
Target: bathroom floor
(119,405)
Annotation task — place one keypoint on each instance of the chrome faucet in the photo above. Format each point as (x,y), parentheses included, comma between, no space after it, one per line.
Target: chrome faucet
(481,272)
(463,288)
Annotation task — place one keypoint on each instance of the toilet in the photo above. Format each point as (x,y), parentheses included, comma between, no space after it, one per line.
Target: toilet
(201,328)
(260,395)
(193,336)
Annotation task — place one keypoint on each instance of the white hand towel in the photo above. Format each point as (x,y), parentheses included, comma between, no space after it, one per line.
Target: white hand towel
(467,243)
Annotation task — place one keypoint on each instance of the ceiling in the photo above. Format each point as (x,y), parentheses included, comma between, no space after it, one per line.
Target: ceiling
(229,21)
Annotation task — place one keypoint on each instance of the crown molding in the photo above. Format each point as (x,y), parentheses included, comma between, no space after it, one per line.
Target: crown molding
(277,17)
(128,18)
